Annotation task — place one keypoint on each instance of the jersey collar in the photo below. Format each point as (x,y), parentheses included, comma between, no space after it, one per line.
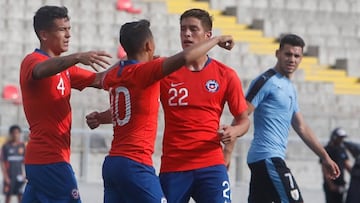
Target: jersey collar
(122,64)
(41,52)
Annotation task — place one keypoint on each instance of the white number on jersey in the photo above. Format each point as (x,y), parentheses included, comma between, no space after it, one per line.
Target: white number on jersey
(291,181)
(61,86)
(115,106)
(179,95)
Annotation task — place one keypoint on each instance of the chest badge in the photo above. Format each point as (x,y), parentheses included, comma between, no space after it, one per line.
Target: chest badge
(212,86)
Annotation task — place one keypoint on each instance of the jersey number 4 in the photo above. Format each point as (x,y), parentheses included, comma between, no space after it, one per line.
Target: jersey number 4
(61,86)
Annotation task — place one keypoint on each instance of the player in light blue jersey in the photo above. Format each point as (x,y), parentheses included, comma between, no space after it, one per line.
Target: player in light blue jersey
(275,106)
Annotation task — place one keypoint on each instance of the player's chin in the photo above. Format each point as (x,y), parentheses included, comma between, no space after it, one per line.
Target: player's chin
(65,47)
(186,45)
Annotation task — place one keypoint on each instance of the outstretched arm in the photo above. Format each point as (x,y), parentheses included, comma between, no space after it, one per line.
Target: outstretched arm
(194,52)
(331,170)
(229,134)
(55,65)
(97,83)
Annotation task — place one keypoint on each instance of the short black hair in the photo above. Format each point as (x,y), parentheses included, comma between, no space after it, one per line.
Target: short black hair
(133,35)
(204,17)
(45,16)
(293,40)
(13,128)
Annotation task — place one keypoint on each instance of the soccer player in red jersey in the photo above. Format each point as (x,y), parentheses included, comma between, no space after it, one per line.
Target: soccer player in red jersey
(134,102)
(46,79)
(193,99)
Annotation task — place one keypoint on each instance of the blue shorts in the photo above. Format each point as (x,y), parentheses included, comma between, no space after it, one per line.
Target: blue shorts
(272,181)
(128,181)
(54,183)
(210,184)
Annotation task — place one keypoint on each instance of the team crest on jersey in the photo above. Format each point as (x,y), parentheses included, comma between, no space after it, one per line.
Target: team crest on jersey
(212,86)
(21,150)
(75,194)
(295,194)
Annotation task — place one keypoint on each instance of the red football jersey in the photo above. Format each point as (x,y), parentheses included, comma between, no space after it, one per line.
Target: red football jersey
(134,90)
(47,109)
(193,103)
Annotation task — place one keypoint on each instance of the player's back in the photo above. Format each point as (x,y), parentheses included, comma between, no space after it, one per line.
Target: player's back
(134,98)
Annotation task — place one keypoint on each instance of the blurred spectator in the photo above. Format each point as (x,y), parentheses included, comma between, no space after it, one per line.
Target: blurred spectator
(12,164)
(126,5)
(121,54)
(335,189)
(353,194)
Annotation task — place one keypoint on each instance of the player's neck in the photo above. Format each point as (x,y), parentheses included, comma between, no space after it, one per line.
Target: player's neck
(141,57)
(198,65)
(48,51)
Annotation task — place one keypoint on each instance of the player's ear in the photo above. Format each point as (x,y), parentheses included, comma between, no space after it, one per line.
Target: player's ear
(149,46)
(43,35)
(208,34)
(277,53)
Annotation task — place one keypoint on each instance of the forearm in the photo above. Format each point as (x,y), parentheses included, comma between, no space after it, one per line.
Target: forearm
(54,65)
(105,117)
(100,77)
(188,55)
(229,148)
(193,53)
(242,124)
(309,138)
(312,142)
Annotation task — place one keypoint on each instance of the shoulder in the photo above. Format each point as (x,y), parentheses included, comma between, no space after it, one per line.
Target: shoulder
(34,56)
(215,63)
(223,69)
(5,146)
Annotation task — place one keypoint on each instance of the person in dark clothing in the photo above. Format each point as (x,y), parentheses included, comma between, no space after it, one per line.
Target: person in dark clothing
(353,193)
(335,189)
(12,164)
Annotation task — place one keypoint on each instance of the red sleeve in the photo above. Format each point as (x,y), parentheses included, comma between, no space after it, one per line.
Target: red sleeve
(28,65)
(81,78)
(235,95)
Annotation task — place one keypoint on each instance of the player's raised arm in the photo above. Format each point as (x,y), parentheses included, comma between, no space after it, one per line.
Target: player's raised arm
(55,65)
(192,53)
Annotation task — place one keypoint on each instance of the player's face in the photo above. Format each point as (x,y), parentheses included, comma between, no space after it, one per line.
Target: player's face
(15,135)
(289,58)
(192,32)
(58,37)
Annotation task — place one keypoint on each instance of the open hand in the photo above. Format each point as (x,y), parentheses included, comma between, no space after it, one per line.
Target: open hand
(94,57)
